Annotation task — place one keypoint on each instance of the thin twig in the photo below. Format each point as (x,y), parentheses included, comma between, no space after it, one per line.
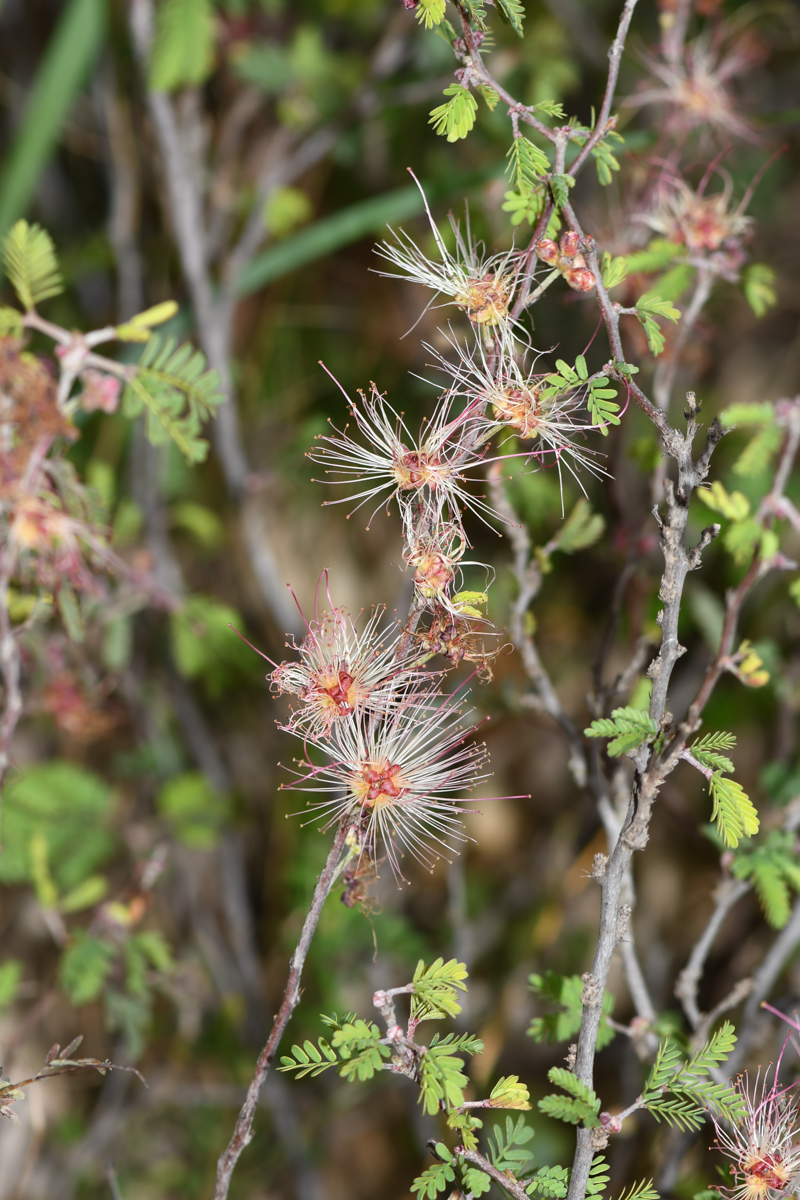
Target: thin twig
(243,1130)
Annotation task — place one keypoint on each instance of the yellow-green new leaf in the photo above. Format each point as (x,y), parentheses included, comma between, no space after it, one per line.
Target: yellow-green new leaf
(29,257)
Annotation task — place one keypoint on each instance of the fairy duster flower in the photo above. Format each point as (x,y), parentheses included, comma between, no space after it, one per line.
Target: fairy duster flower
(482,287)
(426,474)
(399,781)
(764,1147)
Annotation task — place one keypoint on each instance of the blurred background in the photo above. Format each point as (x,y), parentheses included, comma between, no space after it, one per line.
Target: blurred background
(147,760)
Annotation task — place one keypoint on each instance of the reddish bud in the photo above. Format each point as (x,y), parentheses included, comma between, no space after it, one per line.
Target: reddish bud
(568,243)
(547,250)
(579,278)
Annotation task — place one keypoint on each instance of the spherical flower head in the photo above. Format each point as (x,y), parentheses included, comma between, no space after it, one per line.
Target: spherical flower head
(696,88)
(399,780)
(702,223)
(486,300)
(427,474)
(763,1146)
(520,402)
(340,669)
(479,285)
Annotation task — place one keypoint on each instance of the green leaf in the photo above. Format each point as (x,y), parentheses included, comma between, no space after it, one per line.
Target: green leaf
(761,413)
(651,302)
(513,12)
(436,989)
(566,991)
(526,165)
(732,810)
(70,808)
(629,728)
(509,1149)
(599,1176)
(657,256)
(476,1181)
(550,1182)
(455,119)
(641,1191)
(10,322)
(140,327)
(62,71)
(182,54)
(430,12)
(758,285)
(602,405)
(735,506)
(743,538)
(522,206)
(615,270)
(648,307)
(655,338)
(606,162)
(559,186)
(581,1106)
(30,261)
(508,1092)
(84,967)
(551,108)
(442,1080)
(433,1181)
(86,894)
(581,529)
(174,384)
(773,869)
(707,750)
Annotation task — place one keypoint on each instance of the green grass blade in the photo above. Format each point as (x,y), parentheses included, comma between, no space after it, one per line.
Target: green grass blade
(65,66)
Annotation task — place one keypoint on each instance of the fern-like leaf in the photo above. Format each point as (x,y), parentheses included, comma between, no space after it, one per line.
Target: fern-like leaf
(732,810)
(581,1105)
(30,261)
(526,165)
(512,11)
(430,12)
(599,1176)
(434,1180)
(508,1092)
(708,750)
(436,989)
(773,869)
(601,402)
(455,119)
(177,390)
(581,529)
(509,1150)
(550,1182)
(442,1080)
(627,727)
(641,1191)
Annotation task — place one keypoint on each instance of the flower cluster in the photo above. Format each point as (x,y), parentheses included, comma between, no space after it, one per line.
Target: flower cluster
(397,753)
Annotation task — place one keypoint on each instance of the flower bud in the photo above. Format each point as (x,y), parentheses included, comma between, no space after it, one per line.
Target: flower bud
(579,278)
(547,250)
(568,243)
